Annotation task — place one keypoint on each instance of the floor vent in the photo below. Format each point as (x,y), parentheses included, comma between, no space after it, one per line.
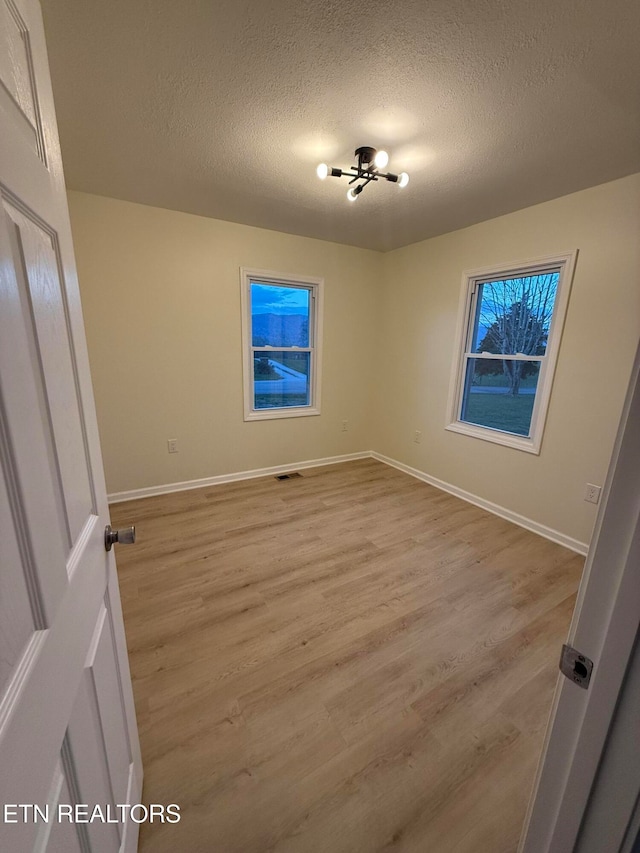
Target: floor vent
(291,476)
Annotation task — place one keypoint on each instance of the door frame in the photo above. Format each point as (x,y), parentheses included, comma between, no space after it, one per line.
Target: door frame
(77,634)
(604,628)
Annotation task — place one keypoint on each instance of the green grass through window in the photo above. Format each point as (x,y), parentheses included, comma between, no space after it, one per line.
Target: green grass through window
(501,411)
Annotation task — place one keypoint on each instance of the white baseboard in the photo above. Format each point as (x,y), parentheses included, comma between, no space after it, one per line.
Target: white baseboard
(167,488)
(496,509)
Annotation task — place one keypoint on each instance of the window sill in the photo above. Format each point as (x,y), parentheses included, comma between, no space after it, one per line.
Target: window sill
(273,414)
(516,442)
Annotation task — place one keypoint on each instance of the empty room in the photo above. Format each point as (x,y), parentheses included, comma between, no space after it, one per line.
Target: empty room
(319,426)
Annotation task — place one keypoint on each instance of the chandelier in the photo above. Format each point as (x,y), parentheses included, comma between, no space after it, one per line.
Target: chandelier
(365,171)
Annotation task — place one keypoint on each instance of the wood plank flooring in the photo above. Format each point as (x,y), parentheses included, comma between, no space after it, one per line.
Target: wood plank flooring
(347,662)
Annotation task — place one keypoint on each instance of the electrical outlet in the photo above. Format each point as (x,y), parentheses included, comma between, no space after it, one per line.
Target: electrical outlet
(172,445)
(592,494)
(345,425)
(417,436)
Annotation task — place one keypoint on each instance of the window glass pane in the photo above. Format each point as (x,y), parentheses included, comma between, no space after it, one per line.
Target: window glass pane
(500,393)
(281,379)
(514,315)
(279,315)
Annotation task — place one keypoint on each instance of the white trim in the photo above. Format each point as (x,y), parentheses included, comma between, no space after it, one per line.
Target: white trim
(521,520)
(495,509)
(504,357)
(289,412)
(315,337)
(604,627)
(168,488)
(470,278)
(507,439)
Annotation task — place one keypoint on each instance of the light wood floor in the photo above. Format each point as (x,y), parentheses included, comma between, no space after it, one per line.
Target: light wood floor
(351,661)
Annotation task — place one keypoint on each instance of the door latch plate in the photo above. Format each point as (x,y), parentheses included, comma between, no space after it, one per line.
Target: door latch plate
(576,666)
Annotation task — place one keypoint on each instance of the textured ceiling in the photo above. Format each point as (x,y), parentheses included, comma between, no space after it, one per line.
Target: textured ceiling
(224,107)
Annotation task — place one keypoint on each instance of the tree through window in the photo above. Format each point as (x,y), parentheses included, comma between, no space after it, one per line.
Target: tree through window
(505,364)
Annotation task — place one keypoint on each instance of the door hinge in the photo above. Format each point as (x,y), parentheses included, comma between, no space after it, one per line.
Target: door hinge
(576,666)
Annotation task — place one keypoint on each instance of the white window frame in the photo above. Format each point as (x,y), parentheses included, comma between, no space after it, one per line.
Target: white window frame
(565,265)
(316,286)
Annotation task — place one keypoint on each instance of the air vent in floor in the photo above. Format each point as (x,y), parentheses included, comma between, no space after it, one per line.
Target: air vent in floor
(291,476)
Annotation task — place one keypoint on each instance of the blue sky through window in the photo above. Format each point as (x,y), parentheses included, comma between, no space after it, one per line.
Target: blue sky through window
(526,328)
(272,299)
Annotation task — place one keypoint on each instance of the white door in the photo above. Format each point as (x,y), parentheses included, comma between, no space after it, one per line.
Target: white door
(586,788)
(67,725)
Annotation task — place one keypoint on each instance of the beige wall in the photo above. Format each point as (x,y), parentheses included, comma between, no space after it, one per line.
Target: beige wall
(161,300)
(419,313)
(161,297)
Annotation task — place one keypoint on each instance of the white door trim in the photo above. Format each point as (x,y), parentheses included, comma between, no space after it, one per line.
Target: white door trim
(604,628)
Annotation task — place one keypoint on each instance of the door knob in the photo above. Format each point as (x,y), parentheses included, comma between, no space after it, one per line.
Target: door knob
(124,536)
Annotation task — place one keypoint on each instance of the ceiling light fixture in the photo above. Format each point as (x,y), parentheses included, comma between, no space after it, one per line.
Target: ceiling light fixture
(366,170)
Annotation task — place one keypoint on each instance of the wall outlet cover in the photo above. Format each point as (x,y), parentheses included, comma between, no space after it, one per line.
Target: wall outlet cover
(592,493)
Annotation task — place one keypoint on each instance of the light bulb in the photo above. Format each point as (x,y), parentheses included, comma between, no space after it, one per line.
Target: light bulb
(352,195)
(322,171)
(403,179)
(381,159)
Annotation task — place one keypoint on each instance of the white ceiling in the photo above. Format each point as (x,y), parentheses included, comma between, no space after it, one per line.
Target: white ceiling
(224,107)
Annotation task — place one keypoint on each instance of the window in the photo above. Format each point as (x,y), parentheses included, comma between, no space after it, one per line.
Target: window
(281,330)
(508,338)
